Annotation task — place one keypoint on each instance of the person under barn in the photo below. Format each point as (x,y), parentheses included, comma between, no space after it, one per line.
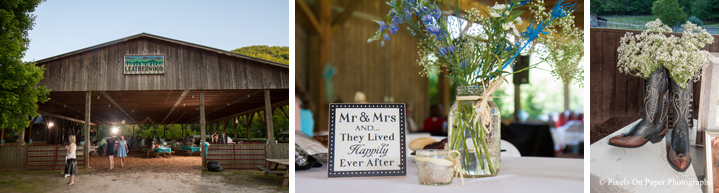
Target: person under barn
(71,163)
(110,152)
(152,148)
(187,141)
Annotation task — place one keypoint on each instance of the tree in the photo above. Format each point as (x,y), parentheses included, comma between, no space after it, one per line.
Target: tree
(705,9)
(279,54)
(597,7)
(19,92)
(669,12)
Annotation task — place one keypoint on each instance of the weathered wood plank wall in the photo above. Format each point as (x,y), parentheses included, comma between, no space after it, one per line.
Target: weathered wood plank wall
(185,68)
(377,71)
(615,94)
(9,158)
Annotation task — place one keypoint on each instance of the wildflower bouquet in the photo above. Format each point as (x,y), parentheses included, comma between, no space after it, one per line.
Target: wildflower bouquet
(642,54)
(476,46)
(564,48)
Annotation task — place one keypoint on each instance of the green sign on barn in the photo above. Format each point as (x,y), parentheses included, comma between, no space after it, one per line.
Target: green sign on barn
(144,65)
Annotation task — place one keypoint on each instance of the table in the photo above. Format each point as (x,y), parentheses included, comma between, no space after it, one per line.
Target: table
(189,150)
(645,168)
(276,163)
(162,150)
(516,174)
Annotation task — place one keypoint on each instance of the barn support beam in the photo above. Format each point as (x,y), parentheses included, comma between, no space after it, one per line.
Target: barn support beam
(87,129)
(203,123)
(268,115)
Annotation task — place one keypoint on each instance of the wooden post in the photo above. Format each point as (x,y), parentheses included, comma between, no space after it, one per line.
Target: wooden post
(87,129)
(234,127)
(202,126)
(443,88)
(248,121)
(268,120)
(708,99)
(21,140)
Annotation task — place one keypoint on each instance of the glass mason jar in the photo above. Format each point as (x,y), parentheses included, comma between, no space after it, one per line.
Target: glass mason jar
(478,144)
(434,167)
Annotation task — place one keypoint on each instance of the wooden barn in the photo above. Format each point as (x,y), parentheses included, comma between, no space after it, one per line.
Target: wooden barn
(149,79)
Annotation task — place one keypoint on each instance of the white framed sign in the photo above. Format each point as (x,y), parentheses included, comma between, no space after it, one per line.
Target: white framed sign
(366,140)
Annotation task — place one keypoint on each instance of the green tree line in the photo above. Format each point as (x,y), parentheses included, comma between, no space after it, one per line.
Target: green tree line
(671,12)
(279,54)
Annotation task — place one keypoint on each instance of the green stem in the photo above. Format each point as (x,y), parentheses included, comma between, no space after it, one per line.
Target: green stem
(486,151)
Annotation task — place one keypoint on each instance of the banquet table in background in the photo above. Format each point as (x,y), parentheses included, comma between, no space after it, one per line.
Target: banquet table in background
(516,174)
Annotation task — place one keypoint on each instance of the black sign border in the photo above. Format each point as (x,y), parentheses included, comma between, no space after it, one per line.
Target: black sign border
(372,173)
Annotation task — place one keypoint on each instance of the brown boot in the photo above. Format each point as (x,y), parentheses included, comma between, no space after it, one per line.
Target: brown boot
(653,125)
(680,120)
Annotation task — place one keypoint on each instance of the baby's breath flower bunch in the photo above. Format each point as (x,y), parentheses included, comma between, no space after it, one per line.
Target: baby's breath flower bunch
(642,54)
(564,47)
(472,58)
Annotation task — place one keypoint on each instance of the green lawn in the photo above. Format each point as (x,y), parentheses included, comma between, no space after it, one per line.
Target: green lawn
(630,18)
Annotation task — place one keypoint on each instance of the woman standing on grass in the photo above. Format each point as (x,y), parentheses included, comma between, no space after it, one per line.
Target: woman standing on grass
(110,152)
(122,151)
(71,163)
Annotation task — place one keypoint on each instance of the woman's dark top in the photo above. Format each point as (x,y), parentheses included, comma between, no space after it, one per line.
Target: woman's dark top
(110,147)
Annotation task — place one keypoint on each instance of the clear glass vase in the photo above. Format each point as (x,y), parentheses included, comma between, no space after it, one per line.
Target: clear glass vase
(478,144)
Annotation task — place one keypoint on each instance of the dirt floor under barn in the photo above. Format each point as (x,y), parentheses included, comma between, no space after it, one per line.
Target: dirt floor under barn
(140,174)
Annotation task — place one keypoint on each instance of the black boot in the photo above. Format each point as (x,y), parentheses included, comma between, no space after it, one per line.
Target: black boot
(653,126)
(680,119)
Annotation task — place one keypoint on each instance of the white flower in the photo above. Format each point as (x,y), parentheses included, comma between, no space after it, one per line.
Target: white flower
(494,14)
(506,26)
(498,6)
(641,54)
(518,21)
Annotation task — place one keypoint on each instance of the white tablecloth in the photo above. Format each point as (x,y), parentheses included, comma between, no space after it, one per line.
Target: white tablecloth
(516,174)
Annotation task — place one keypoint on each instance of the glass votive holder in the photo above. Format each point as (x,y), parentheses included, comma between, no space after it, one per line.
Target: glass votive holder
(434,167)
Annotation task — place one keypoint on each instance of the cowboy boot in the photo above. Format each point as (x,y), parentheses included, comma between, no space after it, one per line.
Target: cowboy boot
(653,125)
(680,120)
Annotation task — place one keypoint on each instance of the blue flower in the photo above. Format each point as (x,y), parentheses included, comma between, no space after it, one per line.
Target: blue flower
(451,48)
(426,19)
(433,29)
(386,37)
(463,63)
(524,2)
(393,28)
(381,44)
(442,51)
(382,25)
(407,14)
(437,12)
(534,30)
(562,10)
(396,19)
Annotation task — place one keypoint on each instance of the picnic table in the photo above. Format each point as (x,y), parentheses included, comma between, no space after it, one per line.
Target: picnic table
(162,150)
(189,150)
(274,164)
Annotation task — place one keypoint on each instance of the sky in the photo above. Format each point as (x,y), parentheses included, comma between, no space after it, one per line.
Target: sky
(69,25)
